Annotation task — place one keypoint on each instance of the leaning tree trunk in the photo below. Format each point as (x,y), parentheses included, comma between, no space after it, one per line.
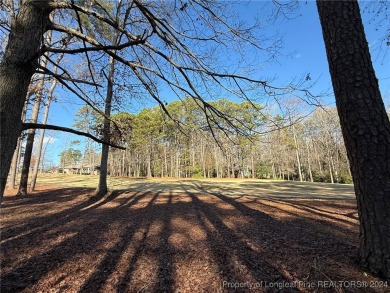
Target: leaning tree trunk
(16,69)
(365,127)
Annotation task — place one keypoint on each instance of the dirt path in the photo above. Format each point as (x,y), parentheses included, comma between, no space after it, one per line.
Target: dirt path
(163,241)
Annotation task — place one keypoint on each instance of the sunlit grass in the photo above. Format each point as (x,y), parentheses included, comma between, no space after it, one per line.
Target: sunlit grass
(228,187)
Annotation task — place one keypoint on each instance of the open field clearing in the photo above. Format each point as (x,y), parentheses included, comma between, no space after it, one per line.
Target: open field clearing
(182,236)
(229,187)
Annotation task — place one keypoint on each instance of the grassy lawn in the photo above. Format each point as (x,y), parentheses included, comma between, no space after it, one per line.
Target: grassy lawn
(229,187)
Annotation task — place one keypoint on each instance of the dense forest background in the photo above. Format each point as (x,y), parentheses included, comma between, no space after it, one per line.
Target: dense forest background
(306,148)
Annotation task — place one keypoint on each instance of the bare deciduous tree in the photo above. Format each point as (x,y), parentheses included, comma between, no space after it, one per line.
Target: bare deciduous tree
(163,42)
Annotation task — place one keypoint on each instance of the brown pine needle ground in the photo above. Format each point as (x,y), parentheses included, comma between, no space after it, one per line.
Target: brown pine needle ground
(198,239)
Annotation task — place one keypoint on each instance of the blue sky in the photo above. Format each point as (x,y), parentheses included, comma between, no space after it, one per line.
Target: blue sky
(303,41)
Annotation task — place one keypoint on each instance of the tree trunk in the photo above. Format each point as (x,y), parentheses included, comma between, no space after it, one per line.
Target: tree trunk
(42,136)
(365,127)
(34,118)
(16,69)
(252,165)
(165,168)
(330,171)
(31,134)
(308,162)
(123,167)
(95,157)
(172,163)
(18,151)
(26,163)
(149,162)
(178,164)
(216,160)
(273,171)
(102,185)
(318,160)
(297,154)
(44,153)
(14,165)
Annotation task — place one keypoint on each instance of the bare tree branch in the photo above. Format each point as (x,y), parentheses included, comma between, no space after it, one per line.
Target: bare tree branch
(95,48)
(61,76)
(76,33)
(70,130)
(183,64)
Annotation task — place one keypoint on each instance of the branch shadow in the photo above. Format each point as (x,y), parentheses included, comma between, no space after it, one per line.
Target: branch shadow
(30,271)
(143,223)
(108,264)
(41,223)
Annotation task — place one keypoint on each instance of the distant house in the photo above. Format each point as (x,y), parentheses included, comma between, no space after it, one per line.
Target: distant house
(70,169)
(80,169)
(91,169)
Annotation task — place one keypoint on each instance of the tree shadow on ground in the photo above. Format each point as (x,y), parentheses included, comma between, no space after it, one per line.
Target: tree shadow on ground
(164,242)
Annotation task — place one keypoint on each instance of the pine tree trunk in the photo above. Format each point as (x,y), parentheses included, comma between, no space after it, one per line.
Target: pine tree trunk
(365,127)
(216,160)
(18,151)
(177,164)
(41,137)
(149,163)
(123,167)
(253,175)
(165,167)
(30,139)
(16,69)
(14,165)
(102,185)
